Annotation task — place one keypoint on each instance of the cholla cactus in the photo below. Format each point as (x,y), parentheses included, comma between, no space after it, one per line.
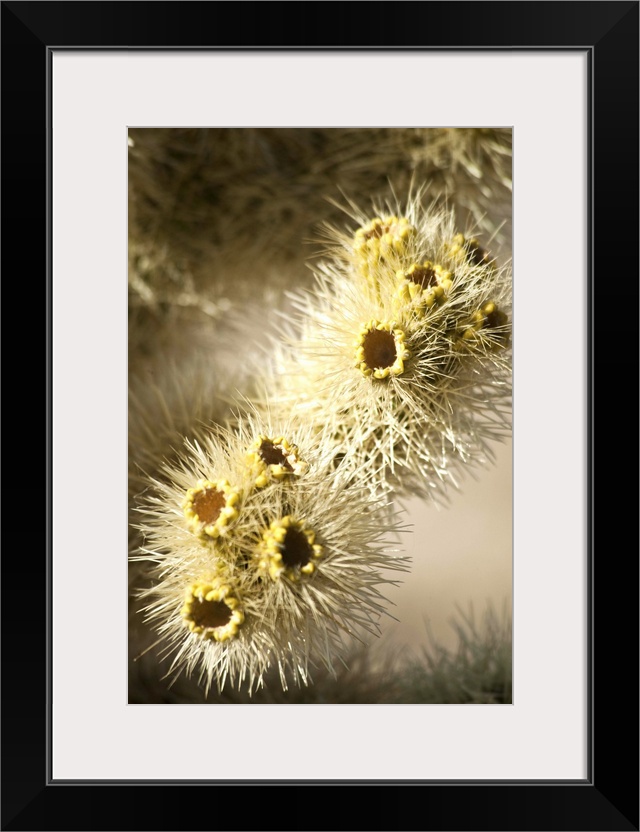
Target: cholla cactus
(253,573)
(403,346)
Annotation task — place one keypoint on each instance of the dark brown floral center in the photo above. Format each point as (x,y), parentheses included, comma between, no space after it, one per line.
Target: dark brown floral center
(208,504)
(379,347)
(377,230)
(210,614)
(273,455)
(296,549)
(425,276)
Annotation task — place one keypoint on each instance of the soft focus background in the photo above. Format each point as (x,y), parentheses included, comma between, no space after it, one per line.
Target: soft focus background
(461,557)
(220,224)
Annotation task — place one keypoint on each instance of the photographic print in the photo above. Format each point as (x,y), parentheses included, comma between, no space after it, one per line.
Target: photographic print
(320,479)
(243,244)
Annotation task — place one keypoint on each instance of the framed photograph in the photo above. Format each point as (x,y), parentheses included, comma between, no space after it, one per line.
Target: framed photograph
(111,112)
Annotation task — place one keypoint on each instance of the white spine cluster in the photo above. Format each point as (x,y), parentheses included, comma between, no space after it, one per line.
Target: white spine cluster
(403,347)
(295,571)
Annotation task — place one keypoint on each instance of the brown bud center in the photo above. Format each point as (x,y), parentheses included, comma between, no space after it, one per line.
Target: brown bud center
(208,504)
(424,276)
(379,347)
(296,549)
(210,614)
(273,455)
(376,230)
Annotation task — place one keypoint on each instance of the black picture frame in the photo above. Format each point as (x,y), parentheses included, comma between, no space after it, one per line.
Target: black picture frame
(608,798)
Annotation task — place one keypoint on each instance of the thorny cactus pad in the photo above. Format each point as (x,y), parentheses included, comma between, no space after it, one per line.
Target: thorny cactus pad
(428,387)
(299,572)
